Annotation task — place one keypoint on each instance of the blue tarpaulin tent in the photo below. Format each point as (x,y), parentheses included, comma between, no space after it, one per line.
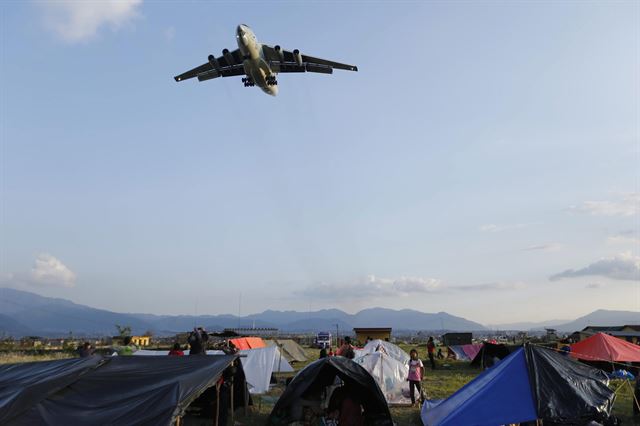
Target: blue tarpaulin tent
(499,395)
(531,383)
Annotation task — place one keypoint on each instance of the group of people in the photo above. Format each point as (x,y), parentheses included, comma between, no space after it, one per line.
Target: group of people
(416,366)
(346,350)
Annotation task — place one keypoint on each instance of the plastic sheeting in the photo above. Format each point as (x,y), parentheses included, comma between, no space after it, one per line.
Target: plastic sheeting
(290,349)
(121,390)
(311,380)
(243,343)
(567,390)
(258,365)
(26,384)
(383,346)
(603,347)
(465,352)
(531,383)
(390,375)
(500,395)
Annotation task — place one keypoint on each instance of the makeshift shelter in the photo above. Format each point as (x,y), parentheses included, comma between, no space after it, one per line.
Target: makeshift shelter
(390,375)
(114,390)
(532,383)
(258,364)
(290,349)
(490,353)
(390,349)
(316,379)
(242,343)
(602,347)
(464,352)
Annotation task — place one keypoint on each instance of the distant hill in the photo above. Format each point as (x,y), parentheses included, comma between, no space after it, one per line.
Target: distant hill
(601,317)
(26,313)
(526,326)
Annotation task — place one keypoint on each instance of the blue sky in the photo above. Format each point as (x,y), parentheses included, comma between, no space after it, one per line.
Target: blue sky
(484,161)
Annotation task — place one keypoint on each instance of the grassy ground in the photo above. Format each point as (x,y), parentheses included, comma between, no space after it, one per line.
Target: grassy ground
(439,383)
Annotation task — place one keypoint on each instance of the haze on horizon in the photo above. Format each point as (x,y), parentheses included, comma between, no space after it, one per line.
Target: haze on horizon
(483,161)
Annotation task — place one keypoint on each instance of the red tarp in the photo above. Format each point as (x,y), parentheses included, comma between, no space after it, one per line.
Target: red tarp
(603,347)
(471,350)
(243,343)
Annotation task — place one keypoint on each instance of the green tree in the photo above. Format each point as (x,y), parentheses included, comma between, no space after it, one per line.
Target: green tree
(123,330)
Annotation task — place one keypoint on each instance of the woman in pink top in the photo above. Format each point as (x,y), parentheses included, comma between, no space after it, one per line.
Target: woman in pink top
(416,374)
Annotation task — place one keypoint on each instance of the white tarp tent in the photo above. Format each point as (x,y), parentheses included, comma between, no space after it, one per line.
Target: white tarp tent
(258,365)
(390,349)
(389,366)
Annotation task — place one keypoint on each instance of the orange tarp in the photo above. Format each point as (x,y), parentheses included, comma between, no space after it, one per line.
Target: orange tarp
(603,347)
(243,343)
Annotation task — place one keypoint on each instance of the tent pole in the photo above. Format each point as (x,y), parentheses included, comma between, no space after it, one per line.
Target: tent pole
(232,413)
(633,394)
(217,404)
(246,398)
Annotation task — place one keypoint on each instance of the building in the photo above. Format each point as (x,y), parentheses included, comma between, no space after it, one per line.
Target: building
(630,333)
(451,339)
(141,340)
(364,334)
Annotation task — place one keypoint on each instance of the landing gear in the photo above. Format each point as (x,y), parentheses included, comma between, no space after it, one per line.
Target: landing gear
(248,82)
(271,80)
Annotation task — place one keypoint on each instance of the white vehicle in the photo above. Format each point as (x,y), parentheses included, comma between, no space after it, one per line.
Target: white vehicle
(323,340)
(260,63)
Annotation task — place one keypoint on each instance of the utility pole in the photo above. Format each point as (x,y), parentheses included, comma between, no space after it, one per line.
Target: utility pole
(337,335)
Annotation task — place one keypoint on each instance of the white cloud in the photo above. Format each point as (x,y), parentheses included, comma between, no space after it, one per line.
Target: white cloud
(372,286)
(625,267)
(492,286)
(626,205)
(544,247)
(47,271)
(50,271)
(624,237)
(80,20)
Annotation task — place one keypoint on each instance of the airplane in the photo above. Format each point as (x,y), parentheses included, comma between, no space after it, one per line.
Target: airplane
(260,63)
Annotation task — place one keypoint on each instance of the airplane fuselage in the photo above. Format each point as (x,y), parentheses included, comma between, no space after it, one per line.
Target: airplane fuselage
(255,66)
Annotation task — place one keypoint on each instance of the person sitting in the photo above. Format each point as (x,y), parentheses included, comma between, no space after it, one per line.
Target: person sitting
(127,347)
(176,351)
(346,406)
(85,350)
(323,353)
(346,346)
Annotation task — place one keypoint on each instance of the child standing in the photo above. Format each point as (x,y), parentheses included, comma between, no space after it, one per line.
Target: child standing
(416,374)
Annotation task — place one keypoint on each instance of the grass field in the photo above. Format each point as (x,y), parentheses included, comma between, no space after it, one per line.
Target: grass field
(439,384)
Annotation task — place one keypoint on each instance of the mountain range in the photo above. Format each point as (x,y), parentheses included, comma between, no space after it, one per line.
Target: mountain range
(23,313)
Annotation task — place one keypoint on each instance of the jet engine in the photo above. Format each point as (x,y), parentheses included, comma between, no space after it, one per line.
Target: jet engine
(279,52)
(297,56)
(213,62)
(228,56)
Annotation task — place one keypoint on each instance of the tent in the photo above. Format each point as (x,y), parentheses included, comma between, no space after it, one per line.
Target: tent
(603,347)
(248,343)
(531,383)
(290,349)
(465,352)
(258,365)
(390,375)
(489,353)
(390,349)
(312,382)
(113,390)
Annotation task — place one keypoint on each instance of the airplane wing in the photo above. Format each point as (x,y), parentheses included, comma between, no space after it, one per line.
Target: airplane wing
(228,65)
(286,61)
